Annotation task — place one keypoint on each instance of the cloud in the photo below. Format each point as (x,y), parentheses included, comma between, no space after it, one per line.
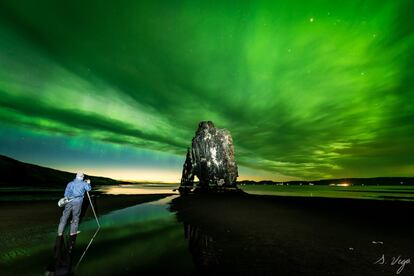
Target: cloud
(327,98)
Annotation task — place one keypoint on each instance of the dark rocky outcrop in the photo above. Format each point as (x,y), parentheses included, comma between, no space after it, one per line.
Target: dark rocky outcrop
(211,159)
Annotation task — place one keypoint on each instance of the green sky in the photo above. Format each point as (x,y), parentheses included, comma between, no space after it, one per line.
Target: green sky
(308,89)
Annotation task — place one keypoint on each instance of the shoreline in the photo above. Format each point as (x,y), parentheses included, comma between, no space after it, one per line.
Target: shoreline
(26,221)
(255,234)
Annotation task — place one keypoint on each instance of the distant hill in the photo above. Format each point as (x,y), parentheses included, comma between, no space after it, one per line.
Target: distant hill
(351,181)
(14,173)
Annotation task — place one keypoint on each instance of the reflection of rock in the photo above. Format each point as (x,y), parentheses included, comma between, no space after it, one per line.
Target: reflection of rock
(205,249)
(211,159)
(202,247)
(244,234)
(241,234)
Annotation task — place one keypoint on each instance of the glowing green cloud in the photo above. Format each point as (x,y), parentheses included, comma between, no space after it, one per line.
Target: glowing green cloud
(308,89)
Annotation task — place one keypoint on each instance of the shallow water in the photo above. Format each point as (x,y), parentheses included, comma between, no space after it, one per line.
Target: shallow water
(141,238)
(399,193)
(218,232)
(141,189)
(138,239)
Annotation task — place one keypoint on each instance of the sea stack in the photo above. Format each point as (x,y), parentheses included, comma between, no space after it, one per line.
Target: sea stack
(211,159)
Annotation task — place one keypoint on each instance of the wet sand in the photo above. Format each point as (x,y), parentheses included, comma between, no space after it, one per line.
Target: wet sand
(138,235)
(218,234)
(271,235)
(29,222)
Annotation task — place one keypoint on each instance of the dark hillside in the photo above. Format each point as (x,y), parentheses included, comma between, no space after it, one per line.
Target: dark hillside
(18,174)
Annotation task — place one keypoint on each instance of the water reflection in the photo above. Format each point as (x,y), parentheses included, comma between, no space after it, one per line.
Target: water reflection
(140,239)
(205,241)
(264,235)
(233,234)
(62,263)
(141,189)
(63,256)
(136,240)
(203,248)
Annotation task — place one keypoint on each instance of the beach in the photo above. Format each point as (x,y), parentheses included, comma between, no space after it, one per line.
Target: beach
(238,234)
(274,235)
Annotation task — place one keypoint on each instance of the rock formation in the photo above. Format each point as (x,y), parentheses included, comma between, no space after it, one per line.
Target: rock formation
(211,159)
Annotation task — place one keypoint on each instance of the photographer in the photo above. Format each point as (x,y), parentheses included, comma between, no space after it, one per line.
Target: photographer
(74,194)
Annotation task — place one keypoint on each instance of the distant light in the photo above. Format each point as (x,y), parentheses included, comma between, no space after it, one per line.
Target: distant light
(311,20)
(340,184)
(343,185)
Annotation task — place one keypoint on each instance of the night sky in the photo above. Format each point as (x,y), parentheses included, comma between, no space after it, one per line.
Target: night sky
(308,89)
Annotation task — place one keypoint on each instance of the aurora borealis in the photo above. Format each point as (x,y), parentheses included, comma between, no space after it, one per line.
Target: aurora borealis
(308,89)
